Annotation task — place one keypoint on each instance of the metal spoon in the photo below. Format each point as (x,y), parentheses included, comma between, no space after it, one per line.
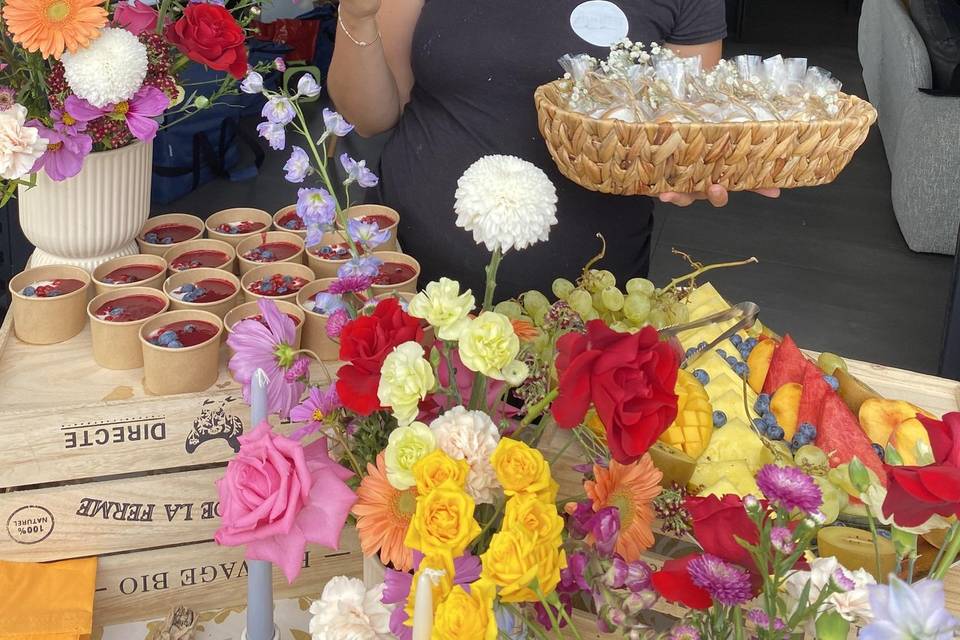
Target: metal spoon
(745,313)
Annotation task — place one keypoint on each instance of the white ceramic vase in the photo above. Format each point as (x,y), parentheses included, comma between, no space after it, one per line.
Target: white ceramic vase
(94,216)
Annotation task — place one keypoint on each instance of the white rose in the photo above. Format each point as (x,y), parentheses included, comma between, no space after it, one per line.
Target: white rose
(20,146)
(405,379)
(347,611)
(471,436)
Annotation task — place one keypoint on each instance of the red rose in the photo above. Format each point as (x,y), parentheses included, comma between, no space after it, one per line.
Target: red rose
(629,378)
(364,343)
(673,583)
(718,522)
(208,34)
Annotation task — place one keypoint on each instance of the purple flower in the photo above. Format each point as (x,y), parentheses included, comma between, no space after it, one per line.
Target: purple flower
(579,517)
(280,64)
(605,527)
(915,612)
(366,234)
(316,207)
(274,134)
(638,576)
(279,110)
(616,576)
(350,284)
(366,266)
(335,123)
(299,369)
(336,322)
(508,624)
(308,86)
(65,153)
(139,112)
(66,123)
(298,166)
(256,346)
(572,579)
(252,84)
(544,618)
(727,584)
(843,581)
(358,172)
(8,98)
(684,632)
(315,410)
(781,538)
(790,488)
(327,303)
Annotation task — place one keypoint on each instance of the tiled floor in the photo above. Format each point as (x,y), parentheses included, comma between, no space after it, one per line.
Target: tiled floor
(834,270)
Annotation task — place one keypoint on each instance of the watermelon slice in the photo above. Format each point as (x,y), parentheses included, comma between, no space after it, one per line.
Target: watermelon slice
(787,366)
(815,389)
(839,436)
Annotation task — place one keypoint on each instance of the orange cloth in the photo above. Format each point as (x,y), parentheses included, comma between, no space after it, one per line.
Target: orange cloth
(49,601)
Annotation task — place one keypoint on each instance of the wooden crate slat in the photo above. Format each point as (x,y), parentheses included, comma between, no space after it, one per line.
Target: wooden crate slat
(146,584)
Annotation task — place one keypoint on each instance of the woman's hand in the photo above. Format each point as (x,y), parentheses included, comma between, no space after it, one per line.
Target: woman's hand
(358,10)
(716,194)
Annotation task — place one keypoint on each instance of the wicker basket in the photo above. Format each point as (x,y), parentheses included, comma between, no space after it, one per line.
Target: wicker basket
(626,158)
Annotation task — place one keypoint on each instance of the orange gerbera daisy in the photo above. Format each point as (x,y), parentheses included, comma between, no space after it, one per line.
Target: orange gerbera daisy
(630,488)
(525,330)
(383,515)
(51,26)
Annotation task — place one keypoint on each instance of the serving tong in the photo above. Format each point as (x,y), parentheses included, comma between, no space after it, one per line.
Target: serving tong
(745,313)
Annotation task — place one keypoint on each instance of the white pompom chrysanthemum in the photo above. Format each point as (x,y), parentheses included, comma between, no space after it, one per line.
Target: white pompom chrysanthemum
(507,203)
(108,71)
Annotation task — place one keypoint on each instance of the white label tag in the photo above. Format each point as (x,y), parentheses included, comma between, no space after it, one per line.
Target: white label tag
(599,22)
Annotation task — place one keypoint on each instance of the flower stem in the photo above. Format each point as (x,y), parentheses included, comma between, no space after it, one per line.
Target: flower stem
(549,610)
(323,365)
(537,410)
(492,269)
(342,441)
(876,543)
(710,267)
(951,545)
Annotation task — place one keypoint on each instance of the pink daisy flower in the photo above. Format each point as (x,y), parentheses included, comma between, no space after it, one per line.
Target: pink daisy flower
(315,410)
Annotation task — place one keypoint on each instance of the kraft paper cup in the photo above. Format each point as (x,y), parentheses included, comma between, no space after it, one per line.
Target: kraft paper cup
(206,244)
(361,210)
(237,214)
(281,213)
(315,324)
(250,309)
(269,269)
(218,308)
(116,345)
(171,218)
(169,371)
(154,282)
(321,267)
(258,239)
(49,320)
(408,286)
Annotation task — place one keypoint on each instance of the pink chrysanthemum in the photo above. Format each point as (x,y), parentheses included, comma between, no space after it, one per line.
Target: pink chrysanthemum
(350,284)
(781,538)
(727,584)
(790,488)
(336,321)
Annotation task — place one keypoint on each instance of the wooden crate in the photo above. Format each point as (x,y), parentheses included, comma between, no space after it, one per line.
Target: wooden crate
(92,464)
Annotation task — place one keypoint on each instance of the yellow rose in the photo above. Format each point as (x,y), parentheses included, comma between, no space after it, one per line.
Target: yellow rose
(441,586)
(515,559)
(526,512)
(443,523)
(522,469)
(443,307)
(466,616)
(488,343)
(405,379)
(432,470)
(405,447)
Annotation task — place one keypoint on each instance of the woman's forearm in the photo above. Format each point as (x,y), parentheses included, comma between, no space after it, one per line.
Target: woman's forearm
(360,81)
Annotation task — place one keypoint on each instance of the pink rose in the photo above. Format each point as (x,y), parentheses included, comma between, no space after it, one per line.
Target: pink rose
(277,495)
(136,17)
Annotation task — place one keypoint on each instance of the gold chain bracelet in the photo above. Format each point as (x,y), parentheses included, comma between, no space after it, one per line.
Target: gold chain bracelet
(359,43)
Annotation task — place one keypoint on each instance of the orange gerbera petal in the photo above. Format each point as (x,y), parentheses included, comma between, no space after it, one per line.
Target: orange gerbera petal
(526,331)
(631,488)
(383,515)
(51,26)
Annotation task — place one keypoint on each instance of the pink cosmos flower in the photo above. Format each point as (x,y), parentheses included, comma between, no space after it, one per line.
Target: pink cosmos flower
(278,495)
(315,410)
(268,347)
(66,123)
(135,16)
(65,152)
(138,112)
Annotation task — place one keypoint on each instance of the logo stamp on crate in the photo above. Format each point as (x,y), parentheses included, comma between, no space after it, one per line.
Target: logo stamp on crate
(102,433)
(213,425)
(30,524)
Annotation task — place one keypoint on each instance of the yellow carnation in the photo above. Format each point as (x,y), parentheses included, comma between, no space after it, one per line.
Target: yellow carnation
(406,446)
(405,379)
(527,513)
(515,559)
(443,306)
(443,523)
(522,469)
(488,343)
(466,616)
(432,470)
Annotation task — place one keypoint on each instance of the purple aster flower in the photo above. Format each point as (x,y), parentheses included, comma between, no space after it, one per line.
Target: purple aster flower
(366,234)
(336,322)
(268,347)
(308,86)
(252,84)
(65,153)
(326,303)
(7,98)
(790,488)
(279,110)
(909,612)
(684,632)
(316,207)
(298,166)
(315,410)
(781,538)
(350,284)
(335,123)
(727,584)
(367,266)
(358,172)
(274,134)
(605,527)
(280,64)
(759,617)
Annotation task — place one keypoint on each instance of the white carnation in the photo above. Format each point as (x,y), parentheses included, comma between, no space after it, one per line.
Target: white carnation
(108,71)
(507,203)
(471,436)
(20,145)
(853,605)
(347,611)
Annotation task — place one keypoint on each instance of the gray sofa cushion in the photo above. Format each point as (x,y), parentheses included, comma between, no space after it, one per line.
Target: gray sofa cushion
(938,22)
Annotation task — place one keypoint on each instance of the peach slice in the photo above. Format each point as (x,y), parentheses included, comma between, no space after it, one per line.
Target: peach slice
(905,438)
(759,363)
(785,405)
(879,417)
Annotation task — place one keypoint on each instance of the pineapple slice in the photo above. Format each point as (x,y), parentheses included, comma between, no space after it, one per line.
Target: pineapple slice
(691,431)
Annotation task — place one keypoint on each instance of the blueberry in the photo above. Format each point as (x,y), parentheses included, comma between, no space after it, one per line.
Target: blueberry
(266,255)
(291,224)
(267,286)
(741,369)
(151,238)
(167,240)
(176,344)
(108,280)
(731,360)
(719,418)
(189,328)
(879,451)
(282,290)
(760,425)
(166,338)
(770,420)
(763,403)
(722,353)
(116,312)
(53,294)
(188,287)
(690,352)
(833,382)
(29,291)
(288,278)
(736,340)
(702,376)
(702,346)
(808,430)
(751,343)
(775,432)
(744,351)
